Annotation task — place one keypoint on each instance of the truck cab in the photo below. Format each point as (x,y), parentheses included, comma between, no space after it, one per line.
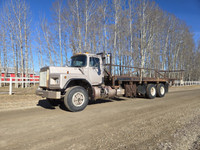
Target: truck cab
(89,65)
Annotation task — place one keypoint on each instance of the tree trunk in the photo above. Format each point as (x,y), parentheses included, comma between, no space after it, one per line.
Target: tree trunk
(86,23)
(26,49)
(0,69)
(60,35)
(79,27)
(105,31)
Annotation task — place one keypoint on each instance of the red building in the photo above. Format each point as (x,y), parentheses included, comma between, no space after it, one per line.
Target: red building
(5,75)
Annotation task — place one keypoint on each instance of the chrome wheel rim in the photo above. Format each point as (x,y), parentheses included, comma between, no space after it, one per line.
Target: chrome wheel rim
(78,99)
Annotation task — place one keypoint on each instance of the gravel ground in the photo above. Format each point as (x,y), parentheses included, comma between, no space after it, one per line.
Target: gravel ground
(21,98)
(196,144)
(165,123)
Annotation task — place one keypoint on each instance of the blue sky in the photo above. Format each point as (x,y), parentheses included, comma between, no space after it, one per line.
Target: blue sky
(39,8)
(187,10)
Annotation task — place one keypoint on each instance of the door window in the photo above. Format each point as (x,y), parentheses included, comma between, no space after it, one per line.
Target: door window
(94,62)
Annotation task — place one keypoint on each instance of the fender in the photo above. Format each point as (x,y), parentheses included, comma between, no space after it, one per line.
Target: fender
(86,85)
(76,79)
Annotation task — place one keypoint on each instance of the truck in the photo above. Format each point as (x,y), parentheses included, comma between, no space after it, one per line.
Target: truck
(90,77)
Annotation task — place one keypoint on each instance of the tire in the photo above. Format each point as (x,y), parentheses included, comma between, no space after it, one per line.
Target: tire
(53,102)
(76,98)
(160,90)
(151,91)
(166,87)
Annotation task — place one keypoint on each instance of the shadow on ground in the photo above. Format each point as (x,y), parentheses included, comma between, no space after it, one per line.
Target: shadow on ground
(45,103)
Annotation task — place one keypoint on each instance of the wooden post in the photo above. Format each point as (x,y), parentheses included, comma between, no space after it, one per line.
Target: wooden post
(26,81)
(16,82)
(22,79)
(34,79)
(10,88)
(111,64)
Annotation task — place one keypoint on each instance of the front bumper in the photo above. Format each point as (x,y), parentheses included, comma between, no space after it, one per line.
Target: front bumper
(49,94)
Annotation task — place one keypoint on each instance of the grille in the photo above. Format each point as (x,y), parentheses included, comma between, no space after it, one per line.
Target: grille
(44,75)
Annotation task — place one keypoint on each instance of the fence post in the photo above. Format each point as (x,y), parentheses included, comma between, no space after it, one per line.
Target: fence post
(22,81)
(16,82)
(34,80)
(10,89)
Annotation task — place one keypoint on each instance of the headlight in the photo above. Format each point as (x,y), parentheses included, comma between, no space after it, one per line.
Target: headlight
(54,80)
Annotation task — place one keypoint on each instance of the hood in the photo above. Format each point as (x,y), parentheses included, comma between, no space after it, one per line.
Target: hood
(66,70)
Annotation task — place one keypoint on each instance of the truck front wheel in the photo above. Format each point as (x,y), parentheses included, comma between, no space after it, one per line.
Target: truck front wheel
(76,98)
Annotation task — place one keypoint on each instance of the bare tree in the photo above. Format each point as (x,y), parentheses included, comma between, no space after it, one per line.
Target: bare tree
(58,20)
(131,15)
(90,10)
(135,32)
(18,8)
(0,68)
(26,26)
(78,25)
(4,41)
(39,47)
(46,34)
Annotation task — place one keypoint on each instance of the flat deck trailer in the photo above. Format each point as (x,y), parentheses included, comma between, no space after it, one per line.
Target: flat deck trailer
(93,76)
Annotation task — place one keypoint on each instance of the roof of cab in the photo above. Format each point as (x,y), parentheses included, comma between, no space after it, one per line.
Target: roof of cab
(87,54)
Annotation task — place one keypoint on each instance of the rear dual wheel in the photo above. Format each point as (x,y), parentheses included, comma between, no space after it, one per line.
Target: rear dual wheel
(160,90)
(153,90)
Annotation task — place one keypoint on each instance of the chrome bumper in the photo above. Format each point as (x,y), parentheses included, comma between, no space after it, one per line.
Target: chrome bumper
(48,94)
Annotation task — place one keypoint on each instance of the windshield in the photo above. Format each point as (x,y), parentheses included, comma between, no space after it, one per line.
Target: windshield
(79,61)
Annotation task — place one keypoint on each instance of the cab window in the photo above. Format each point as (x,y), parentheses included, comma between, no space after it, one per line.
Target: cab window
(79,61)
(94,62)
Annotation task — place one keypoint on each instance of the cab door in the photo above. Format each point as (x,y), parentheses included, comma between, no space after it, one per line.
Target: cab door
(95,70)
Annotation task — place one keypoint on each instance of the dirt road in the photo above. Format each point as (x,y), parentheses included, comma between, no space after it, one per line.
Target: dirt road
(172,122)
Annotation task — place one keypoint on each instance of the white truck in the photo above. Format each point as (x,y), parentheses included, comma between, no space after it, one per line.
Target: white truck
(93,76)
